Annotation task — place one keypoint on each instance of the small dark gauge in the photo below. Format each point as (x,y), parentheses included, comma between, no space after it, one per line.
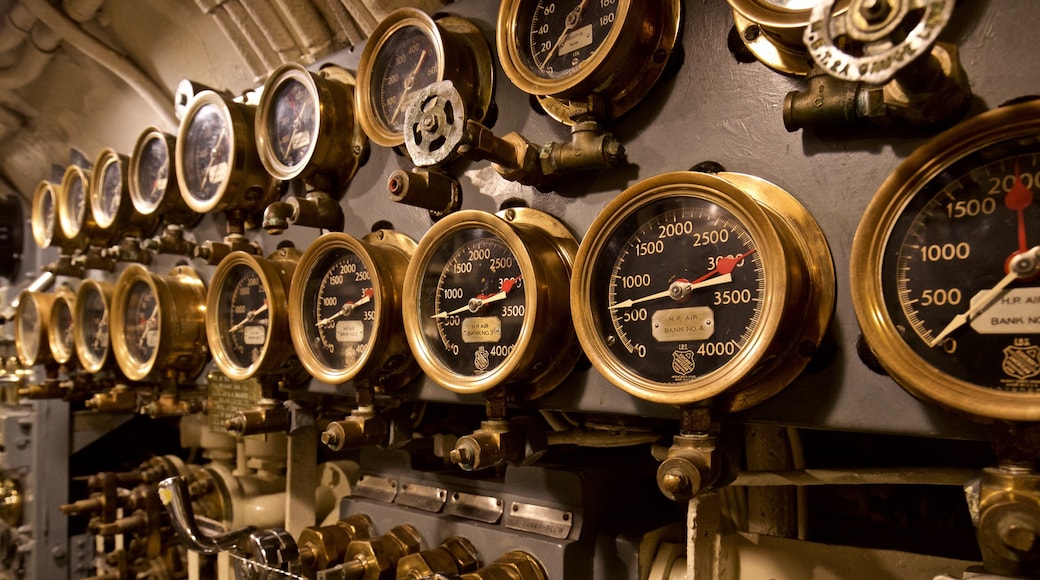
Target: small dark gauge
(46,232)
(217,164)
(688,283)
(61,336)
(90,323)
(32,327)
(158,323)
(152,179)
(947,263)
(246,317)
(348,322)
(567,51)
(74,214)
(408,51)
(305,124)
(110,199)
(485,301)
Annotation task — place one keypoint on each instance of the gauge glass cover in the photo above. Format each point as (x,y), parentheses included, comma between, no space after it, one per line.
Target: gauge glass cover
(557,39)
(92,313)
(153,173)
(406,63)
(77,200)
(293,124)
(29,330)
(48,213)
(207,152)
(141,323)
(63,328)
(111,192)
(243,318)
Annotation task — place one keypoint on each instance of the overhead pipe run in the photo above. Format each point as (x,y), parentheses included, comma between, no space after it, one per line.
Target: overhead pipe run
(34,58)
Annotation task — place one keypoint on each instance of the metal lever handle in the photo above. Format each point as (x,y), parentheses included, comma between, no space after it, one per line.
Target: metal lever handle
(173,492)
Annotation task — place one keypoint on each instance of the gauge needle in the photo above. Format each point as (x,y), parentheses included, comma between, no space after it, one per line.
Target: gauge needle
(148,324)
(1019,197)
(681,288)
(1021,266)
(570,23)
(212,157)
(407,86)
(297,122)
(366,297)
(250,316)
(102,327)
(474,304)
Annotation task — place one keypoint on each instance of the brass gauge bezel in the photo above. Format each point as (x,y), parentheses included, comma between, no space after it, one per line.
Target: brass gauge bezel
(90,363)
(181,341)
(386,360)
(455,40)
(547,348)
(622,70)
(799,290)
(78,231)
(907,368)
(56,336)
(126,221)
(338,145)
(41,303)
(777,43)
(171,205)
(275,274)
(55,236)
(248,187)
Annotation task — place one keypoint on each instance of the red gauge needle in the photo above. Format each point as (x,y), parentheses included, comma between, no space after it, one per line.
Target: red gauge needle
(1019,197)
(681,288)
(474,304)
(366,297)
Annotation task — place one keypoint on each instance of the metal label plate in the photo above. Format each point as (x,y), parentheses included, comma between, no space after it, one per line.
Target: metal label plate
(227,397)
(539,520)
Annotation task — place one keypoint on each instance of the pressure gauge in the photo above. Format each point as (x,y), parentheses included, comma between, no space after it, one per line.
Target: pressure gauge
(246,314)
(408,51)
(74,215)
(306,126)
(217,164)
(485,302)
(568,51)
(346,315)
(946,262)
(113,211)
(61,335)
(46,232)
(152,179)
(90,324)
(690,287)
(772,30)
(32,326)
(158,322)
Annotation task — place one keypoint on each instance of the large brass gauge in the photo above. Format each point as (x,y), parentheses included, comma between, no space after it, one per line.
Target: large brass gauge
(246,314)
(772,30)
(152,179)
(158,323)
(690,287)
(305,124)
(90,323)
(945,268)
(32,327)
(485,302)
(410,50)
(568,51)
(217,164)
(74,214)
(61,325)
(113,211)
(346,316)
(44,215)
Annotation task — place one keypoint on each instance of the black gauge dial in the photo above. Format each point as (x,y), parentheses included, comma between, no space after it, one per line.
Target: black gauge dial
(243,316)
(111,193)
(48,213)
(141,323)
(62,328)
(207,153)
(679,282)
(338,304)
(153,173)
(91,328)
(293,124)
(76,197)
(472,302)
(560,36)
(407,62)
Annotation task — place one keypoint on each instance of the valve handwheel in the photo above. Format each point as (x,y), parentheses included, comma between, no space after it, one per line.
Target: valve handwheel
(435,124)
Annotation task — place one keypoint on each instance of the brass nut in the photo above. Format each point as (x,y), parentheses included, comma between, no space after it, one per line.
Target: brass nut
(463,551)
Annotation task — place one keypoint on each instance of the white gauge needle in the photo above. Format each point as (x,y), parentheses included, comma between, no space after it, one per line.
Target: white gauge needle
(570,23)
(1023,265)
(250,316)
(102,328)
(349,307)
(474,304)
(148,325)
(212,157)
(677,290)
(297,123)
(407,86)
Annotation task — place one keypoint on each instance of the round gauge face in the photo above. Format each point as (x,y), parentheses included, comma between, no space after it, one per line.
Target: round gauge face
(678,289)
(153,173)
(141,323)
(949,269)
(111,193)
(243,318)
(92,310)
(406,63)
(556,38)
(207,153)
(77,199)
(339,304)
(29,330)
(62,327)
(293,123)
(48,213)
(472,302)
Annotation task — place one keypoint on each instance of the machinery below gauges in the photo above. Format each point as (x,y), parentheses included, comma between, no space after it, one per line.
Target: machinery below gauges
(946,293)
(726,277)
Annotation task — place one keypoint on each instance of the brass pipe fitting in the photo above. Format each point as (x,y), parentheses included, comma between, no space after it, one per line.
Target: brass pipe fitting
(121,399)
(690,467)
(494,443)
(456,555)
(324,546)
(1008,528)
(171,241)
(513,565)
(377,558)
(271,417)
(435,191)
(361,429)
